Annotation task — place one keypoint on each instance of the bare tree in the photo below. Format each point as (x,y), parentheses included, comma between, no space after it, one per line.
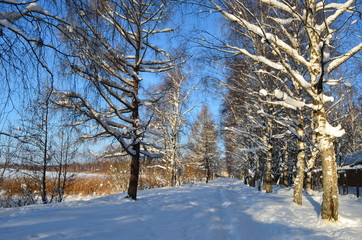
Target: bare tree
(37,141)
(113,42)
(27,35)
(170,114)
(66,147)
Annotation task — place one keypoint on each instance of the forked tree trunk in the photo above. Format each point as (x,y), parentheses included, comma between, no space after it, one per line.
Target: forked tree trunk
(299,180)
(323,137)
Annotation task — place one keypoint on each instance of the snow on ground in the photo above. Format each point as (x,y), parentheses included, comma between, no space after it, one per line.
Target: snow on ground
(10,173)
(221,209)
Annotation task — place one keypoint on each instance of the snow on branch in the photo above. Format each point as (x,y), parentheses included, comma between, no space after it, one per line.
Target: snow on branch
(34,7)
(332,131)
(341,8)
(108,155)
(343,58)
(14,2)
(280,5)
(258,58)
(288,101)
(269,37)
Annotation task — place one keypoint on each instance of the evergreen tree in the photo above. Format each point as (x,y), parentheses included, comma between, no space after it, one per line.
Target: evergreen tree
(203,144)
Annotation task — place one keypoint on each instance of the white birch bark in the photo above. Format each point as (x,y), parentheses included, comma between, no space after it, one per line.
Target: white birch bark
(290,61)
(299,180)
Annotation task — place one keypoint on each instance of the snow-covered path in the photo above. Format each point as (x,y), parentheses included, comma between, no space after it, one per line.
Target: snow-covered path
(222,209)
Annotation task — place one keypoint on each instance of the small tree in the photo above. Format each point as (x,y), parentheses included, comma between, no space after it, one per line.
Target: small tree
(203,150)
(66,145)
(170,117)
(37,134)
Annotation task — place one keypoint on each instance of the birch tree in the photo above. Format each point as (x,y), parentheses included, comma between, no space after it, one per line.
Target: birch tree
(319,31)
(170,114)
(113,44)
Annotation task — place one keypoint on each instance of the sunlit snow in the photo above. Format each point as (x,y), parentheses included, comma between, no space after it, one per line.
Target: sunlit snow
(223,209)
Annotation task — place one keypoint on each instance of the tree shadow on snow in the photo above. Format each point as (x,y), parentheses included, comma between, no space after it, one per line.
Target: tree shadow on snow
(316,205)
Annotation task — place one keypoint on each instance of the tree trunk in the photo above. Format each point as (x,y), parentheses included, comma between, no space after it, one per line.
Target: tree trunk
(44,185)
(330,179)
(168,176)
(45,155)
(310,165)
(268,179)
(135,169)
(173,160)
(208,170)
(312,160)
(324,139)
(286,167)
(299,180)
(135,163)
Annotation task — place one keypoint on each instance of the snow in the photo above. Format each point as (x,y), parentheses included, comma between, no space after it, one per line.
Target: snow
(328,98)
(10,16)
(223,209)
(11,173)
(263,92)
(12,1)
(334,131)
(287,102)
(331,131)
(34,7)
(278,93)
(294,104)
(5,23)
(352,159)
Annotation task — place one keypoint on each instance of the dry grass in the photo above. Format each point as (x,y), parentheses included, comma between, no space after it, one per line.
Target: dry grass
(79,186)
(95,186)
(25,190)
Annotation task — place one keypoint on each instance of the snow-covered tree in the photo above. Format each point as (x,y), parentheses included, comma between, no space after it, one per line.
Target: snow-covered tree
(112,42)
(170,114)
(203,150)
(305,59)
